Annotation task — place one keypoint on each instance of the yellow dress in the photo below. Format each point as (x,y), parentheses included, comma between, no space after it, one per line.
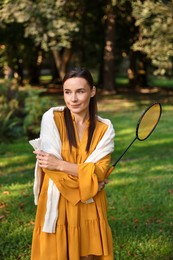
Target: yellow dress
(82,229)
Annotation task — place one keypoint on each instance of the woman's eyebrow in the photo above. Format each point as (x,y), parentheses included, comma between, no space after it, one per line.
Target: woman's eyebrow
(82,88)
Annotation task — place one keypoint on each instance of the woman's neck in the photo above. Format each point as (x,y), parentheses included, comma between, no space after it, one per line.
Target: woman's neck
(80,119)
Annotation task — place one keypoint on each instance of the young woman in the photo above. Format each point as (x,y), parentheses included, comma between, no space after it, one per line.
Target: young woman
(70,174)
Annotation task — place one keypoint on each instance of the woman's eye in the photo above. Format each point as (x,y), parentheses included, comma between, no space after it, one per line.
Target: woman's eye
(81,91)
(66,92)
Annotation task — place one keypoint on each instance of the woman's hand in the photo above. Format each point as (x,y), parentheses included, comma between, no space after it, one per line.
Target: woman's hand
(47,160)
(102,184)
(51,162)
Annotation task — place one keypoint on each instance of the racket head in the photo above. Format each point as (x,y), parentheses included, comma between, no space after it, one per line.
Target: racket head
(148,121)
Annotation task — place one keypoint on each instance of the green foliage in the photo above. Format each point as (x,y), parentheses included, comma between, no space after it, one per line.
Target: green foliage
(50,24)
(16,201)
(155,22)
(3,58)
(10,112)
(35,106)
(35,27)
(21,111)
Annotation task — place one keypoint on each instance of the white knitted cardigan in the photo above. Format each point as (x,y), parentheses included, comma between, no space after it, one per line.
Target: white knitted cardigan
(50,142)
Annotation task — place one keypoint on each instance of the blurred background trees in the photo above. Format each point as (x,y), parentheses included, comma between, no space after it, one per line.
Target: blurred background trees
(155,22)
(109,37)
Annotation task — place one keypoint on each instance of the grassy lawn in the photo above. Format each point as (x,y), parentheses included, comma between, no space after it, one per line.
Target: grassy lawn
(16,201)
(161,82)
(140,191)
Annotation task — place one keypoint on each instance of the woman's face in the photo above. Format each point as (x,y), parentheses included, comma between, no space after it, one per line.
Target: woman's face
(77,94)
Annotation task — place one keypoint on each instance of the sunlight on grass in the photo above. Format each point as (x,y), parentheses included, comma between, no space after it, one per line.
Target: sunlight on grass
(122,80)
(18,168)
(128,131)
(11,159)
(15,188)
(112,104)
(161,167)
(167,108)
(160,82)
(149,246)
(45,78)
(164,140)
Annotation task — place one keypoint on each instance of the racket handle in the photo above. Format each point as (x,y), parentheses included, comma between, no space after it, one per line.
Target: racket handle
(109,171)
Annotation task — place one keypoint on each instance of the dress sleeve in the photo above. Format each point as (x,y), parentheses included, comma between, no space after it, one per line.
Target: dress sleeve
(86,185)
(89,174)
(68,185)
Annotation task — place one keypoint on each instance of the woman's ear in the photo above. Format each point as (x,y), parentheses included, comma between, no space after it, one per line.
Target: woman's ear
(93,91)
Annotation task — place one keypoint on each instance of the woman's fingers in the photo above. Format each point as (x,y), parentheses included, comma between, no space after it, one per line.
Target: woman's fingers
(41,155)
(42,158)
(102,184)
(106,181)
(39,152)
(46,160)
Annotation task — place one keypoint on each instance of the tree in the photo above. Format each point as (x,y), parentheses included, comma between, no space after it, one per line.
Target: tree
(109,48)
(120,34)
(17,51)
(50,23)
(155,22)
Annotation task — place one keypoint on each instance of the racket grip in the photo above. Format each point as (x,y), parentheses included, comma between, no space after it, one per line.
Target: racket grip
(109,171)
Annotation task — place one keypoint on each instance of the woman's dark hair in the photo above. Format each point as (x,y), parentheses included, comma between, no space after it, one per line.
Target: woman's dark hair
(85,74)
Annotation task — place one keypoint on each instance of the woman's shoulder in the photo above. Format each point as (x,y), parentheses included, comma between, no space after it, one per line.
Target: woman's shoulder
(105,125)
(58,116)
(58,113)
(50,112)
(104,122)
(101,124)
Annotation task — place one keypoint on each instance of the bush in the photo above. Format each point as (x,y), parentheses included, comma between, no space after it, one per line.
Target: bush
(10,111)
(21,110)
(35,106)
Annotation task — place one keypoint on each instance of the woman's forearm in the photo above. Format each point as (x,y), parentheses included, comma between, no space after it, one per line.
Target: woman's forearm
(69,168)
(50,162)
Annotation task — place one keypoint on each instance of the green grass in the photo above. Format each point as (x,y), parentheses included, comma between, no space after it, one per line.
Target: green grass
(45,78)
(16,200)
(140,191)
(122,80)
(160,82)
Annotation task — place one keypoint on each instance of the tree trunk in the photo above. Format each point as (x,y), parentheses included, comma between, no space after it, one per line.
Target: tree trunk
(142,81)
(109,52)
(62,59)
(20,76)
(54,70)
(132,70)
(34,67)
(34,74)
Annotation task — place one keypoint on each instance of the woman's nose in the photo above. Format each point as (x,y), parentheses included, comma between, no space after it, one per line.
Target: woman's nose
(74,97)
